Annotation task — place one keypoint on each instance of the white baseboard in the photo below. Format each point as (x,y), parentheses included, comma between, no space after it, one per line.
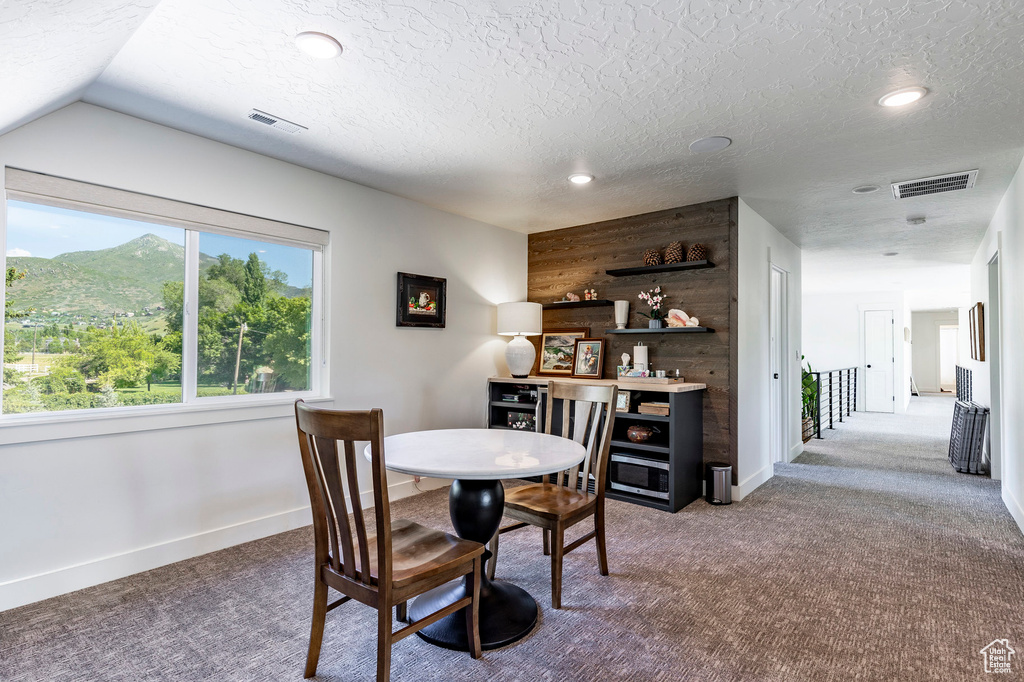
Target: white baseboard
(749,484)
(33,588)
(1016,511)
(796,451)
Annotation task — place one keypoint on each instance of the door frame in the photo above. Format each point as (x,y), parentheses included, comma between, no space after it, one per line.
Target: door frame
(938,350)
(778,349)
(993,354)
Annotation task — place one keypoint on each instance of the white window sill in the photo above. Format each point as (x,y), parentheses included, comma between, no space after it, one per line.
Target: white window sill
(50,426)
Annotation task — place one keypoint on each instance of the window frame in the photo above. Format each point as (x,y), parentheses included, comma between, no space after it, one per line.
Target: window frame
(48,190)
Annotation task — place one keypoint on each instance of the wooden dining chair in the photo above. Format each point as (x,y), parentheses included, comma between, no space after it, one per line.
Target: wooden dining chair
(587,415)
(386,564)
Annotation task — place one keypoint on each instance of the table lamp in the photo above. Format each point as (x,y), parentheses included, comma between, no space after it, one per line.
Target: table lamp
(520,320)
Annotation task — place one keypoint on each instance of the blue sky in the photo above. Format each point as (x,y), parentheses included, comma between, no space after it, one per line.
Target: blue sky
(45,232)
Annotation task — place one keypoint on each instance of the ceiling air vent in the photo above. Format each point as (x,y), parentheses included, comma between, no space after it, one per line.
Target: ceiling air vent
(934,185)
(275,121)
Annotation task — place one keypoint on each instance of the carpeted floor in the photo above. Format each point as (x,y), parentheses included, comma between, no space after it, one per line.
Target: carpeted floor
(868,558)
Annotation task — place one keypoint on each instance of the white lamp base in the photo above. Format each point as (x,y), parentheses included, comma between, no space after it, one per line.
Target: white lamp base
(519,355)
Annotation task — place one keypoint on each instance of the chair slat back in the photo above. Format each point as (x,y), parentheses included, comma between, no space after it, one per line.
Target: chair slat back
(588,414)
(334,494)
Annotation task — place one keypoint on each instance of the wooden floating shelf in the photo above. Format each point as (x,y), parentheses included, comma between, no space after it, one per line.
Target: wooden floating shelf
(668,267)
(663,330)
(577,304)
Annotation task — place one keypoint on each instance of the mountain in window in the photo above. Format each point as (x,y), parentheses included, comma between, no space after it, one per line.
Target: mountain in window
(127,278)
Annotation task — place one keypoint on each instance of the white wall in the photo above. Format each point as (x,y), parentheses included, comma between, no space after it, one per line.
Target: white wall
(833,336)
(82,510)
(924,329)
(1005,235)
(760,247)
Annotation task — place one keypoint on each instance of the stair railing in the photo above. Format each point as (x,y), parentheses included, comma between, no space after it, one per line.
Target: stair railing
(834,398)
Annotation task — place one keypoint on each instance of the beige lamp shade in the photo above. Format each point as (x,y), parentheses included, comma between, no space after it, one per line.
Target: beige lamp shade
(520,319)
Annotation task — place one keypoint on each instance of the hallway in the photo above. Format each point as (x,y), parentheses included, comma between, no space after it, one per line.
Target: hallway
(930,560)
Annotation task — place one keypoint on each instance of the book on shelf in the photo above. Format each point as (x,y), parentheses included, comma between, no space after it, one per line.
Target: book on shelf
(655,408)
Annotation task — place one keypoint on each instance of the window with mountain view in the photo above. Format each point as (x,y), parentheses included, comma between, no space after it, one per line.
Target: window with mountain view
(94,313)
(254,316)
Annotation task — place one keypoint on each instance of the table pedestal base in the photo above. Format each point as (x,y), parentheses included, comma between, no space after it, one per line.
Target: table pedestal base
(507,614)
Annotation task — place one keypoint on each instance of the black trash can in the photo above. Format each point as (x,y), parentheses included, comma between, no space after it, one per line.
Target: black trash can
(718,483)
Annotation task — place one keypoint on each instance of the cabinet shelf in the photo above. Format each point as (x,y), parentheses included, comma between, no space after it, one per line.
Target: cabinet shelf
(662,449)
(662,330)
(578,304)
(642,500)
(513,405)
(619,416)
(665,267)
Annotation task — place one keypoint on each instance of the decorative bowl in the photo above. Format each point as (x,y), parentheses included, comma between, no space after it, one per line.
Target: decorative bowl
(639,434)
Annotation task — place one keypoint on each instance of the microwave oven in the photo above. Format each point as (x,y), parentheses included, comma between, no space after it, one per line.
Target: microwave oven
(638,475)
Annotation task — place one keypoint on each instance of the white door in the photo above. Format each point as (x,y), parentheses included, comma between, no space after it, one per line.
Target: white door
(776,365)
(949,356)
(878,361)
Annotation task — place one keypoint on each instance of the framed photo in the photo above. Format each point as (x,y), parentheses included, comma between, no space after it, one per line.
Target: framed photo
(421,300)
(622,401)
(554,357)
(588,358)
(977,320)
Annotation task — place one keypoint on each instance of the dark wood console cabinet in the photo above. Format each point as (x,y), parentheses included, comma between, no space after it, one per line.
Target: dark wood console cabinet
(677,447)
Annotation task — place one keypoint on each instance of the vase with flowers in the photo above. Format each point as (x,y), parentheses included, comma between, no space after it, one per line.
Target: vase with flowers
(654,299)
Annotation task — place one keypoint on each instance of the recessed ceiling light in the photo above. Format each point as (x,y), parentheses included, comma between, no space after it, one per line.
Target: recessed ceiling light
(865,189)
(580,178)
(705,145)
(891,253)
(903,96)
(318,45)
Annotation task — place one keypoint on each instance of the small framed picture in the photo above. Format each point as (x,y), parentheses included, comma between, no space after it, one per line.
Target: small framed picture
(554,357)
(588,358)
(622,401)
(421,300)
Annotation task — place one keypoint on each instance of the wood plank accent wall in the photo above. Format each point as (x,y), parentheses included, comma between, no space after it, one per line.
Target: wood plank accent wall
(575,258)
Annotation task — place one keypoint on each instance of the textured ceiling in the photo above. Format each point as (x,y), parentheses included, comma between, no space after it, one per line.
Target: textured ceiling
(484,108)
(51,51)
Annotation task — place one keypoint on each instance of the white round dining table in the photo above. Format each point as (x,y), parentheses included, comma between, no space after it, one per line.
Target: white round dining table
(477,460)
(480,454)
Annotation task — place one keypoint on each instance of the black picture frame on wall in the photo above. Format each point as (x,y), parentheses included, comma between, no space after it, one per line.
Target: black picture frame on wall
(422,301)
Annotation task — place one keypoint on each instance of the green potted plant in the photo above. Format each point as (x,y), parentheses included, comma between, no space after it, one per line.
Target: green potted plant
(808,399)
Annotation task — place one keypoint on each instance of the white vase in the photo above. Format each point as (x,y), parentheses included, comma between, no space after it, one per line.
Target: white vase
(621,314)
